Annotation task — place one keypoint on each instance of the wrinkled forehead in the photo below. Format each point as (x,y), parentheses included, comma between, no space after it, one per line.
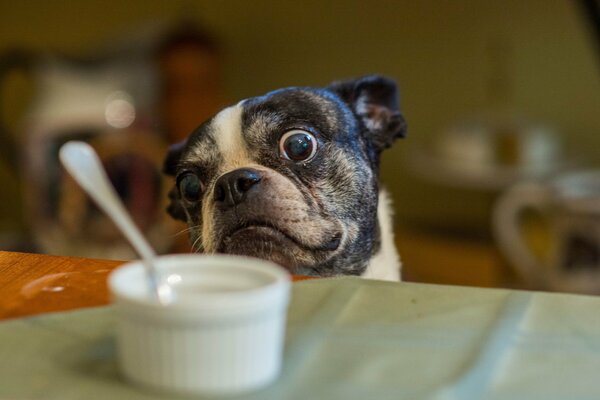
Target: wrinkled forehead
(319,108)
(226,138)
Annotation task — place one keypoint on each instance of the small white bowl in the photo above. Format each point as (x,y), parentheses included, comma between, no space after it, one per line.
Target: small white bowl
(222,335)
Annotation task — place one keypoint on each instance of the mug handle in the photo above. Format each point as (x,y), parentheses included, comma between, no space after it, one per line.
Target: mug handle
(506,223)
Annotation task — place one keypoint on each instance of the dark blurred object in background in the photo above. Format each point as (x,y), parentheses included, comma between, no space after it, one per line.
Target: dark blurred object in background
(591,10)
(189,62)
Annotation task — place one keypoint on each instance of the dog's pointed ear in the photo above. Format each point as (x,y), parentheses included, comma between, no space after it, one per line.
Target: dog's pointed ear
(374,100)
(175,208)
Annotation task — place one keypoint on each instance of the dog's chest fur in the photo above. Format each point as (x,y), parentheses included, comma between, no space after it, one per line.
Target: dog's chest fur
(292,176)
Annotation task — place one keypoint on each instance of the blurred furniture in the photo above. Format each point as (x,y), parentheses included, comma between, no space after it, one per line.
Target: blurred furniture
(568,207)
(129,99)
(462,172)
(107,99)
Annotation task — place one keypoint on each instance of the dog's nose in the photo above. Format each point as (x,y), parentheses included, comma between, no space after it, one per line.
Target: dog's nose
(231,188)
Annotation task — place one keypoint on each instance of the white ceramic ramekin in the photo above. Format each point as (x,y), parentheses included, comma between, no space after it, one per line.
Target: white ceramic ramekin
(222,335)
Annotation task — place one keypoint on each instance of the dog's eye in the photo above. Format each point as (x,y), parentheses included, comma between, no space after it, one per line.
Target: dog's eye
(190,187)
(297,145)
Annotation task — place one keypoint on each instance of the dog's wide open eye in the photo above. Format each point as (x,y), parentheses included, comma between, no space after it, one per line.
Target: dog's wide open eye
(297,145)
(190,187)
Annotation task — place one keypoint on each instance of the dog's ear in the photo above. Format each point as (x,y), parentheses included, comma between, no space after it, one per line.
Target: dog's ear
(374,100)
(175,207)
(173,157)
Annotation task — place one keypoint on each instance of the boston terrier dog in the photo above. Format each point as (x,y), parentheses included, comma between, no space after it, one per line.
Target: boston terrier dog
(292,177)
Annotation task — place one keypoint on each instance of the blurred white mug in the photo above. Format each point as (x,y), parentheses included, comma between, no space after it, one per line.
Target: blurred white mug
(571,206)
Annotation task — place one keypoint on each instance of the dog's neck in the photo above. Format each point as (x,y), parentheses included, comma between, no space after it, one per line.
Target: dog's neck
(385,264)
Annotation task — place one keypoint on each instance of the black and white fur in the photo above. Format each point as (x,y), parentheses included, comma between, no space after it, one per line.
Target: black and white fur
(324,217)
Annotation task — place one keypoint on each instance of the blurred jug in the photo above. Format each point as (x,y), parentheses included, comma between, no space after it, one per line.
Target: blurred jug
(570,207)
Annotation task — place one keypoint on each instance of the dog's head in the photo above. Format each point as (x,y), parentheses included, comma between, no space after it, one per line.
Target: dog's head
(291,176)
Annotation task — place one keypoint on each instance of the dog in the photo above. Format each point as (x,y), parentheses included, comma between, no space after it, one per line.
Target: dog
(293,177)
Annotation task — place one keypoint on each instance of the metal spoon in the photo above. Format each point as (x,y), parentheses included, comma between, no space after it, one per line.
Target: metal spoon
(82,162)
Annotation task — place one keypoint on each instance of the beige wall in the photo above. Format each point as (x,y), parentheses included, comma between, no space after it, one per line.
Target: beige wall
(435,49)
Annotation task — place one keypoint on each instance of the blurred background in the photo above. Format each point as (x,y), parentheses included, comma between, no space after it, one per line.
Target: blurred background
(495,94)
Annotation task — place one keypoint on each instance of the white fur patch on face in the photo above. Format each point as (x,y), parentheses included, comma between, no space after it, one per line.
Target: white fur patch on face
(227,133)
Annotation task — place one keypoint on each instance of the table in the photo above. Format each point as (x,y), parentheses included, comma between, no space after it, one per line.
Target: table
(351,338)
(346,338)
(35,283)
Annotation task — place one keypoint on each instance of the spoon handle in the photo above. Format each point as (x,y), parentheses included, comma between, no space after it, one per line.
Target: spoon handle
(82,162)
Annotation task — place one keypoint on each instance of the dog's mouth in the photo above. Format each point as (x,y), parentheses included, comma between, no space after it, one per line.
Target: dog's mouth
(268,232)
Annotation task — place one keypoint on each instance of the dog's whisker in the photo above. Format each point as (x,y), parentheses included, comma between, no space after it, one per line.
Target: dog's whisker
(195,247)
(186,230)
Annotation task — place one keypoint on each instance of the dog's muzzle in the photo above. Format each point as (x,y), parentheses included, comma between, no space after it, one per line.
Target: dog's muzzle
(254,214)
